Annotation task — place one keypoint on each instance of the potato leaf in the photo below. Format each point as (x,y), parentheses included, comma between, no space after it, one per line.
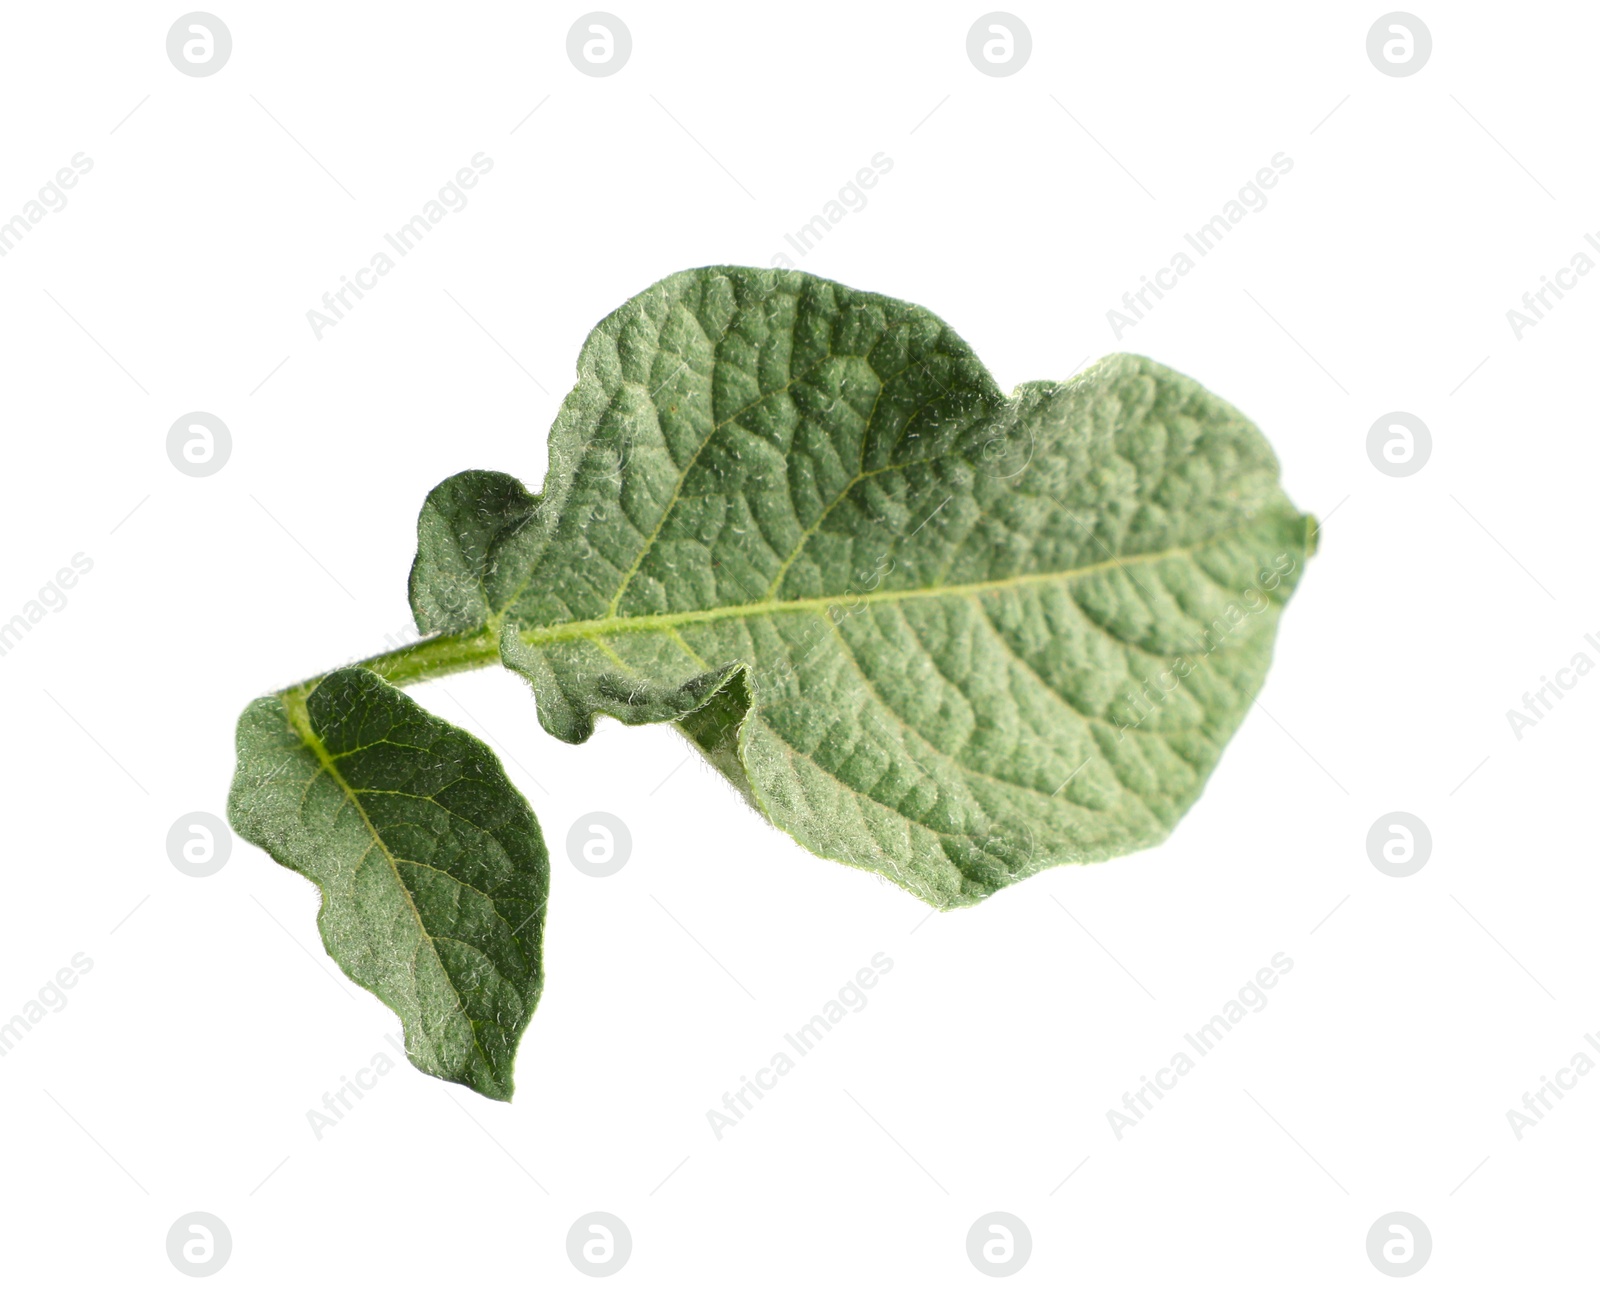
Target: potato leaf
(432,868)
(975,636)
(946,635)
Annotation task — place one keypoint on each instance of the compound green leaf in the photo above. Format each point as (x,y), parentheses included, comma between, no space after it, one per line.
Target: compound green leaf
(927,629)
(433,871)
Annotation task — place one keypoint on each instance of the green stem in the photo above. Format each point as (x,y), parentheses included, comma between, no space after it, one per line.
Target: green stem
(421,661)
(436,657)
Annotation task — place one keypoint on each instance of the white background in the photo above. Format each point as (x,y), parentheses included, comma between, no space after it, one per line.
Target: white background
(1378,1078)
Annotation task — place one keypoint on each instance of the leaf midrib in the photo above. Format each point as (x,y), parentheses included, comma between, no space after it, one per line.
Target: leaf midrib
(299,715)
(611,624)
(441,655)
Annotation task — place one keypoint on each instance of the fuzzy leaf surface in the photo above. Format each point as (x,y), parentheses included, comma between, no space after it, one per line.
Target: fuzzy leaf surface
(944,634)
(432,868)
